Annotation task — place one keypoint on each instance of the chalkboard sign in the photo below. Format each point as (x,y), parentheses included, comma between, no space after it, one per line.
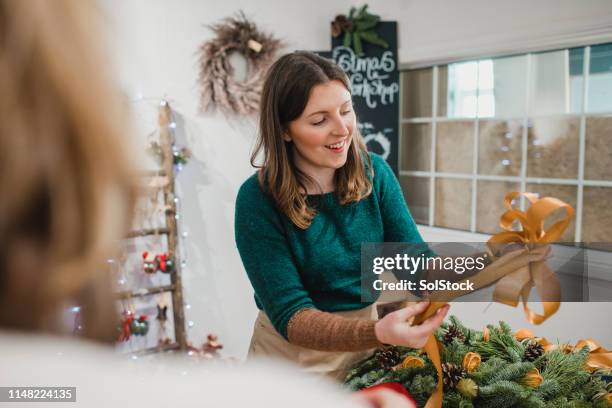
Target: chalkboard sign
(375,85)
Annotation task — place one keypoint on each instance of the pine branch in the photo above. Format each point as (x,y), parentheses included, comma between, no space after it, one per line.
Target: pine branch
(422,386)
(510,372)
(533,401)
(455,400)
(502,394)
(457,323)
(454,352)
(361,367)
(549,389)
(566,369)
(505,327)
(372,378)
(487,369)
(501,344)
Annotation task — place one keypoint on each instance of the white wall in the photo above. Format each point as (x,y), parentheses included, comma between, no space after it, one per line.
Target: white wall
(441,31)
(154,44)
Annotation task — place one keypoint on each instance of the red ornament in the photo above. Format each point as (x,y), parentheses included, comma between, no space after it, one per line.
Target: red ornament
(125,331)
(161,260)
(210,349)
(149,263)
(157,263)
(212,344)
(393,386)
(165,263)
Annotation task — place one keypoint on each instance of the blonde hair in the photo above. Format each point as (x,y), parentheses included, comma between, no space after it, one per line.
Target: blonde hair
(67,189)
(284,97)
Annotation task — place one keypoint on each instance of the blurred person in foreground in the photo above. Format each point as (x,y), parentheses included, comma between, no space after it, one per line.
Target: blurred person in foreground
(67,197)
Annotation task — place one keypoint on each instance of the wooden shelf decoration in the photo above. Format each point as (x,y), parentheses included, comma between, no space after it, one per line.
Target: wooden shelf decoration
(175,288)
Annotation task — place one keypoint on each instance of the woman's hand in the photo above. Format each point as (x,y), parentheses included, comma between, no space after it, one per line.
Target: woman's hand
(395,328)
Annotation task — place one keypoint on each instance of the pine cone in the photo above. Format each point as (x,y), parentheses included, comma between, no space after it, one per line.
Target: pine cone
(453,333)
(533,351)
(388,357)
(451,374)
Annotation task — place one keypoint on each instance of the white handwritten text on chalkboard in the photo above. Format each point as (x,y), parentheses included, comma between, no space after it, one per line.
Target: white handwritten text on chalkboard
(367,75)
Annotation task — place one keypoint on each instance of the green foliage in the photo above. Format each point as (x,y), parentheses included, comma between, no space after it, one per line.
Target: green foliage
(567,369)
(501,394)
(406,375)
(421,387)
(487,369)
(455,400)
(362,27)
(565,384)
(454,352)
(549,389)
(347,39)
(372,37)
(470,335)
(362,367)
(510,372)
(501,344)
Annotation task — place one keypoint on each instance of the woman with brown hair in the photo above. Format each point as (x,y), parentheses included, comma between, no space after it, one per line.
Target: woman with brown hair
(301,219)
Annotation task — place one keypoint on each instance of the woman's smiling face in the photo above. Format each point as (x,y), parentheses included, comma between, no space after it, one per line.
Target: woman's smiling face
(322,135)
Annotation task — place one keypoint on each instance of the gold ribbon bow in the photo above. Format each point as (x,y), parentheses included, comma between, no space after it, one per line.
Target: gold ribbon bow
(599,357)
(517,285)
(516,272)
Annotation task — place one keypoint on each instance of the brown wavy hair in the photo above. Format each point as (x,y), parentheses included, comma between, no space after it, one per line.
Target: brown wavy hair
(67,189)
(284,97)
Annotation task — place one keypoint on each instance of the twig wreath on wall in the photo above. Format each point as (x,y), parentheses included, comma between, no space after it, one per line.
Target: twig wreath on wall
(218,85)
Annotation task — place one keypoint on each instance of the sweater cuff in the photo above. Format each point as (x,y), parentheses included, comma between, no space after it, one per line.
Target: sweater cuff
(368,334)
(317,330)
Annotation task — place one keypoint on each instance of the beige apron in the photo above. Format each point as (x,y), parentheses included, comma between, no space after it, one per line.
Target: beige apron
(267,342)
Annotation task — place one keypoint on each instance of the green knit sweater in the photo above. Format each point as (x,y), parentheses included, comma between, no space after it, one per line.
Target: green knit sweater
(292,269)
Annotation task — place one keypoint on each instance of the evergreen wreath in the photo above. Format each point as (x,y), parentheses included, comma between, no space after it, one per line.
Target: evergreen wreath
(492,369)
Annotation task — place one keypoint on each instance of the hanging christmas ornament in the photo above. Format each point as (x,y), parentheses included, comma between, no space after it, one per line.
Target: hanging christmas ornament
(165,263)
(140,326)
(162,318)
(125,330)
(180,156)
(162,313)
(209,350)
(212,345)
(149,263)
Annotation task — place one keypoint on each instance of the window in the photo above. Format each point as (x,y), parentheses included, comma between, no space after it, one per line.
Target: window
(541,122)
